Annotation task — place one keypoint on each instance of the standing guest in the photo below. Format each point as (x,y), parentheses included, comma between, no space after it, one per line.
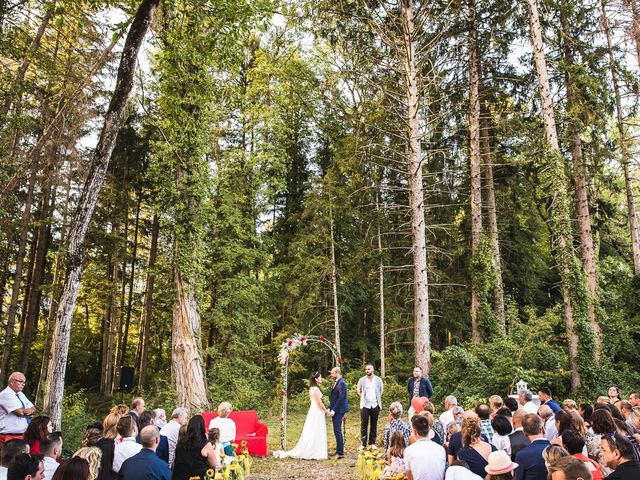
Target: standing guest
(72,469)
(148,417)
(495,404)
(171,431)
(446,417)
(395,425)
(194,454)
(500,466)
(93,456)
(455,440)
(51,449)
(437,428)
(505,412)
(484,413)
(146,464)
(603,399)
(107,446)
(137,407)
(531,465)
(549,419)
(569,468)
(569,404)
(370,390)
(425,460)
(26,467)
(475,451)
(602,423)
(625,409)
(120,410)
(564,421)
(634,399)
(501,431)
(418,386)
(547,399)
(619,455)
(518,439)
(614,395)
(511,404)
(339,405)
(110,426)
(525,399)
(15,408)
(585,411)
(10,450)
(128,447)
(38,428)
(573,442)
(161,417)
(395,456)
(226,426)
(553,453)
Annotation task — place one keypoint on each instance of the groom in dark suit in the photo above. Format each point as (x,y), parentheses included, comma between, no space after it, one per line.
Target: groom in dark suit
(339,405)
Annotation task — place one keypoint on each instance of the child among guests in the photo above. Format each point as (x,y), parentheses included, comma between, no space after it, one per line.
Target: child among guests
(395,455)
(214,439)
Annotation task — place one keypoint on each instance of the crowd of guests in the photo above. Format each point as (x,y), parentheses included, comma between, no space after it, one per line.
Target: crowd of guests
(130,443)
(509,438)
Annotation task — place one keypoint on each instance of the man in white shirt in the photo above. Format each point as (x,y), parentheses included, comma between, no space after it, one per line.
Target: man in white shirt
(10,450)
(179,417)
(446,418)
(128,447)
(15,408)
(51,449)
(370,390)
(424,458)
(525,399)
(549,419)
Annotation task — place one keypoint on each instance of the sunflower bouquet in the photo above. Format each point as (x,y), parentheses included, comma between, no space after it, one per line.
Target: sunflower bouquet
(371,463)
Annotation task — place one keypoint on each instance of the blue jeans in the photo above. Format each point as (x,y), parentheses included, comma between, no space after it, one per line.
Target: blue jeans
(337,431)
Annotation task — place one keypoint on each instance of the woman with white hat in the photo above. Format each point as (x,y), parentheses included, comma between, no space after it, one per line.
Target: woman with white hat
(500,466)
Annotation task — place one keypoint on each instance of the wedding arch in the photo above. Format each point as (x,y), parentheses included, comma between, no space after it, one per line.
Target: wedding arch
(290,345)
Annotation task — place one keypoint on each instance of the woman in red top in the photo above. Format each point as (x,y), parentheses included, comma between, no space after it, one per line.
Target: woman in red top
(38,428)
(573,441)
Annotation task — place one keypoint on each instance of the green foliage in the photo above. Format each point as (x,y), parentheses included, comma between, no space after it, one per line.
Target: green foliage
(75,419)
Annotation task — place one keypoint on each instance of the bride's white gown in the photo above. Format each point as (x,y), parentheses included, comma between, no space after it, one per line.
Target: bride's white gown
(312,444)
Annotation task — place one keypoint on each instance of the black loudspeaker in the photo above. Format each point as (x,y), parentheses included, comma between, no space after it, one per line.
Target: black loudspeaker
(126,379)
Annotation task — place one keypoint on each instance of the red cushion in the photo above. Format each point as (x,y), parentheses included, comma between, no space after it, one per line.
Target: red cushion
(248,428)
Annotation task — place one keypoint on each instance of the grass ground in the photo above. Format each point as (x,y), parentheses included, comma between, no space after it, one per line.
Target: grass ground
(289,468)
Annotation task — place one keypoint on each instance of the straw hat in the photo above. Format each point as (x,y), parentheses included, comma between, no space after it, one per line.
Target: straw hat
(500,462)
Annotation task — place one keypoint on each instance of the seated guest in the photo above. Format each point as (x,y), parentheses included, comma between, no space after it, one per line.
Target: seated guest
(531,465)
(38,428)
(395,455)
(569,468)
(484,414)
(501,431)
(149,417)
(26,467)
(619,455)
(500,466)
(447,416)
(459,470)
(214,439)
(517,438)
(93,456)
(425,460)
(475,451)
(547,399)
(15,408)
(146,465)
(574,444)
(10,450)
(72,469)
(171,429)
(128,447)
(51,449)
(395,424)
(226,425)
(455,440)
(437,428)
(194,454)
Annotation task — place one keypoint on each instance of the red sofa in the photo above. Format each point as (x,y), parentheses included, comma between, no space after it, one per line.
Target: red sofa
(248,428)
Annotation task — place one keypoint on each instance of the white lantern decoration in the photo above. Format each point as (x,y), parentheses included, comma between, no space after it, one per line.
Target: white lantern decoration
(521,386)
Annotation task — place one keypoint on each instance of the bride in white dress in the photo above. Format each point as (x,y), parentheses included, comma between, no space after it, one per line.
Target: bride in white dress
(312,444)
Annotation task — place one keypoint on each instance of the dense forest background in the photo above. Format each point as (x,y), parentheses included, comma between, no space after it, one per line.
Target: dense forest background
(261,184)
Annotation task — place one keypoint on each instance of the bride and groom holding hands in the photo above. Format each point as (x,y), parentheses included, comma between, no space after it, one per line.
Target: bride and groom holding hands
(312,444)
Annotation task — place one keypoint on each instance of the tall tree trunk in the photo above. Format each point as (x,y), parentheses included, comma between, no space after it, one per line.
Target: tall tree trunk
(148,301)
(186,355)
(560,217)
(17,280)
(635,22)
(123,286)
(587,252)
(334,286)
(97,172)
(109,327)
(134,259)
(422,335)
(4,274)
(474,162)
(383,370)
(625,156)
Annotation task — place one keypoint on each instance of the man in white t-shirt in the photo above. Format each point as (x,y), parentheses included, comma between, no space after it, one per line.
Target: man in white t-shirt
(424,458)
(446,418)
(128,447)
(179,417)
(15,408)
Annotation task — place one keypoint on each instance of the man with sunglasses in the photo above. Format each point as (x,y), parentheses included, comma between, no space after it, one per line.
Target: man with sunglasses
(618,454)
(16,409)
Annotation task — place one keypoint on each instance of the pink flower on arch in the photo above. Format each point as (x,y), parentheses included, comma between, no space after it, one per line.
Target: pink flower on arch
(340,360)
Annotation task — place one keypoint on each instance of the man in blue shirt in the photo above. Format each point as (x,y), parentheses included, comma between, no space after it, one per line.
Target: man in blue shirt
(530,462)
(146,465)
(544,394)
